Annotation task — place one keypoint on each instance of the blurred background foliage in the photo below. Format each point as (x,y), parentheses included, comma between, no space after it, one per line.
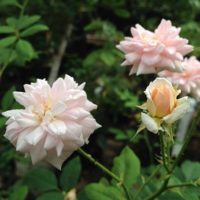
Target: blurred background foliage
(32,34)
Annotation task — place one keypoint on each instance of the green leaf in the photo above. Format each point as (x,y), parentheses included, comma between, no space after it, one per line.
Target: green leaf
(2,121)
(7,55)
(179,174)
(5,42)
(18,193)
(171,196)
(174,180)
(191,170)
(192,190)
(127,167)
(99,191)
(94,25)
(8,99)
(51,196)
(109,29)
(189,195)
(9,3)
(25,21)
(91,59)
(12,22)
(70,174)
(40,180)
(119,134)
(130,100)
(107,57)
(6,29)
(25,48)
(34,29)
(122,13)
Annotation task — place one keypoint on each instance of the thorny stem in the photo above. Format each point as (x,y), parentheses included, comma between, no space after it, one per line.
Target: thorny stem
(162,146)
(165,183)
(165,156)
(105,170)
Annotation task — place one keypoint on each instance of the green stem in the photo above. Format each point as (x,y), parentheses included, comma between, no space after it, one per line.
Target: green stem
(164,187)
(180,185)
(3,68)
(164,152)
(161,190)
(170,141)
(6,63)
(147,181)
(105,170)
(162,146)
(188,137)
(23,7)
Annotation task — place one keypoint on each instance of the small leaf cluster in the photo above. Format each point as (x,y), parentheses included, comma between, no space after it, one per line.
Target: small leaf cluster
(14,46)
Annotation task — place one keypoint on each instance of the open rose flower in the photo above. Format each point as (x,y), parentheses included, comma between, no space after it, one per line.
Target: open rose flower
(55,120)
(162,105)
(151,52)
(189,80)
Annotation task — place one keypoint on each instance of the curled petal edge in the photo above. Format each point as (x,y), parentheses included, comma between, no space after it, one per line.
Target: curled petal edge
(183,107)
(150,123)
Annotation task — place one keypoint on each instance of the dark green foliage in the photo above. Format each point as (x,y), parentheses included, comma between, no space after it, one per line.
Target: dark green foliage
(41,180)
(123,166)
(18,192)
(70,174)
(100,191)
(8,100)
(51,195)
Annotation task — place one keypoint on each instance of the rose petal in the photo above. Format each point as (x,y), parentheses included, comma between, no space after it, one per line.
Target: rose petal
(57,127)
(33,137)
(37,152)
(55,160)
(149,123)
(182,108)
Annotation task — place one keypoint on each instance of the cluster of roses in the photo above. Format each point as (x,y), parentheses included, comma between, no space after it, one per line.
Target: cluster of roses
(56,119)
(162,52)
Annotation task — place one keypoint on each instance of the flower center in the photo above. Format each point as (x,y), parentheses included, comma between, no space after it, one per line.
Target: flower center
(43,111)
(149,39)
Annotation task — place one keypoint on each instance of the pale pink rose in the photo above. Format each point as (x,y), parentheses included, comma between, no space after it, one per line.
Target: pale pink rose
(151,52)
(162,105)
(189,80)
(55,120)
